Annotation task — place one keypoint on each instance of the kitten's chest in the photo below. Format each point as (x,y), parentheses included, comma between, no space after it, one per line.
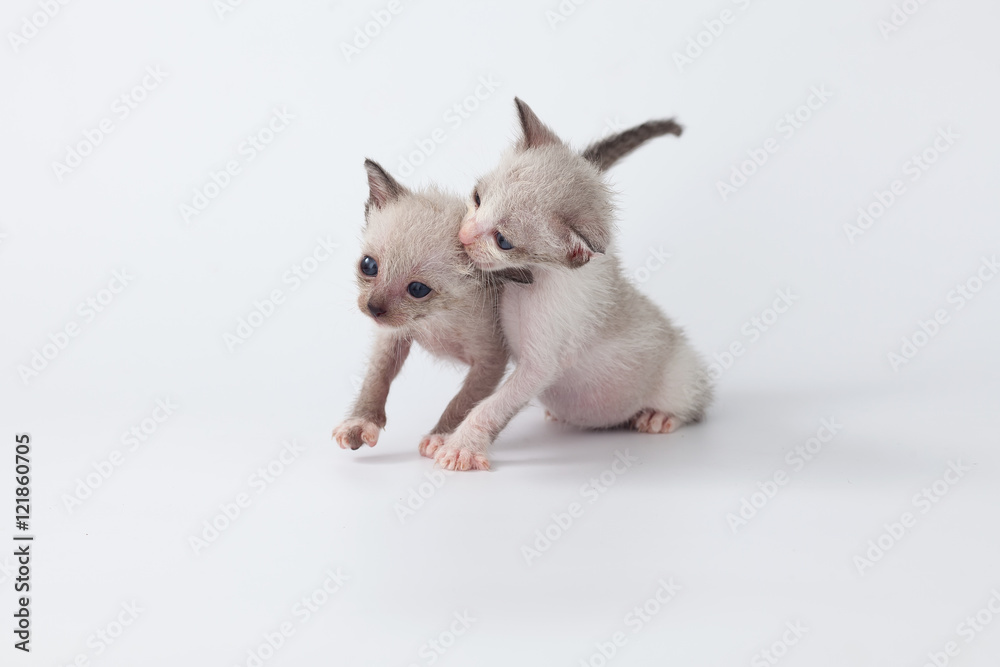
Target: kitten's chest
(463,337)
(446,345)
(552,308)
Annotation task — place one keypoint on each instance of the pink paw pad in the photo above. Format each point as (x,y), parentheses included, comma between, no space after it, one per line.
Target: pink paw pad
(451,458)
(654,421)
(354,432)
(429,444)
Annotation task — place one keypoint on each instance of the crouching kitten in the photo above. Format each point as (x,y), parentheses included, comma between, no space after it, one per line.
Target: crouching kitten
(596,351)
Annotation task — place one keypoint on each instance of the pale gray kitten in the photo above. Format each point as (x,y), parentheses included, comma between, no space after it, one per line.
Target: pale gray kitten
(418,284)
(596,351)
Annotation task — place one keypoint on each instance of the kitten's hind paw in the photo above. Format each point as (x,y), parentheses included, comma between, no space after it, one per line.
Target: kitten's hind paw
(430,443)
(549,417)
(459,458)
(654,421)
(355,432)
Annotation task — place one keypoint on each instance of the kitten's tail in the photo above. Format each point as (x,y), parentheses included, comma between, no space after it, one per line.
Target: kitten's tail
(607,152)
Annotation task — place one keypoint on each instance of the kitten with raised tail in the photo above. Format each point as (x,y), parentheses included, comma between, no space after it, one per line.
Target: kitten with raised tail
(593,349)
(418,285)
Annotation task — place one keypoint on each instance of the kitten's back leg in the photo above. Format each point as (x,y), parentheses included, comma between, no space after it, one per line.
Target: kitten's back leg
(684,395)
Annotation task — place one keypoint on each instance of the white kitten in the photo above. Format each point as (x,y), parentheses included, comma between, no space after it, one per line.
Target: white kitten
(418,286)
(596,351)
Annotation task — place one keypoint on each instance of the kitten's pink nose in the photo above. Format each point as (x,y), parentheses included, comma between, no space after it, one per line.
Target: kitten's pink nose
(467,233)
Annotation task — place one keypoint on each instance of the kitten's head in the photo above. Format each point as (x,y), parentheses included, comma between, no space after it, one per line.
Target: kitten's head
(412,266)
(543,204)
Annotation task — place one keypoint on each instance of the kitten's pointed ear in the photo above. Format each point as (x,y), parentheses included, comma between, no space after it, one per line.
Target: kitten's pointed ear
(579,250)
(382,188)
(534,132)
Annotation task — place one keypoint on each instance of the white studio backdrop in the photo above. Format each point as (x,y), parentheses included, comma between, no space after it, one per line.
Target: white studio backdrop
(825,230)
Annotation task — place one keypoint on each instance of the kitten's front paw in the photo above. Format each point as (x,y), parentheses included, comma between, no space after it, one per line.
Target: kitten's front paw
(456,455)
(654,421)
(430,443)
(355,432)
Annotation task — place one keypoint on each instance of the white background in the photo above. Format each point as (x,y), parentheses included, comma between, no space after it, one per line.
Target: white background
(608,63)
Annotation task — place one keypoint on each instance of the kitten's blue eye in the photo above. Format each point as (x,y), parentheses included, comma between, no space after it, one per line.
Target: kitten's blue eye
(475,198)
(503,242)
(418,290)
(369,266)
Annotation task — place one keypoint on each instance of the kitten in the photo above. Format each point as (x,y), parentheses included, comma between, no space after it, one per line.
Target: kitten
(418,285)
(596,351)
(410,245)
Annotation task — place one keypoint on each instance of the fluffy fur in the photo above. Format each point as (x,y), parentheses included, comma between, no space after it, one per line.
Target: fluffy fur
(596,351)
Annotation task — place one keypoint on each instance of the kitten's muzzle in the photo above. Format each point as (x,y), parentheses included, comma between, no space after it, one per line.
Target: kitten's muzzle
(376,309)
(469,232)
(465,234)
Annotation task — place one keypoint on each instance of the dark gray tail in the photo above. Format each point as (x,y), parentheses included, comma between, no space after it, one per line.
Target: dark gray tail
(608,151)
